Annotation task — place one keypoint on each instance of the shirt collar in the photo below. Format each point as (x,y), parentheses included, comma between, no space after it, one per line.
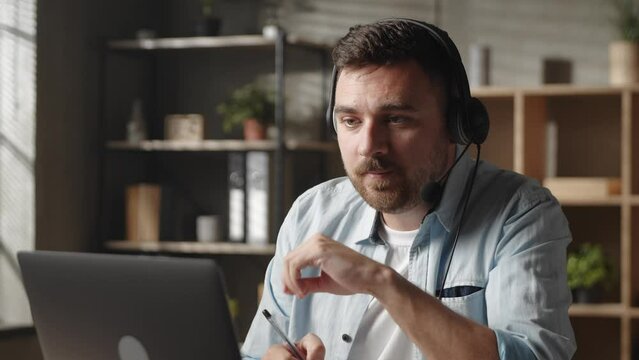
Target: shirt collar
(372,235)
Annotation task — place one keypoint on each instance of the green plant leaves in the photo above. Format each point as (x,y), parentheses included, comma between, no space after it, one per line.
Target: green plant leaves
(588,267)
(248,101)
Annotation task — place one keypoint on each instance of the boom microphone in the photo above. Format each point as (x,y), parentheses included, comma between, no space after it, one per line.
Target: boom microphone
(432,192)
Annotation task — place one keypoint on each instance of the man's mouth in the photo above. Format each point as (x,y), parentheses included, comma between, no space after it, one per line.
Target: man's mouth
(378,172)
(375,167)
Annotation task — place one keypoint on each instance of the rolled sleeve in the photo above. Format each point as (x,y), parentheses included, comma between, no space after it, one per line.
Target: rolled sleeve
(527,294)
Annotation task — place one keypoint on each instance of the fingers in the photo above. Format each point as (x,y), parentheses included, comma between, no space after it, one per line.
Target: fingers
(299,258)
(322,283)
(312,346)
(290,273)
(278,352)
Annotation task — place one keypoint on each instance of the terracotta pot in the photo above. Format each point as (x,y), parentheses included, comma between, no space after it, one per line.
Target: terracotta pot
(254,130)
(624,62)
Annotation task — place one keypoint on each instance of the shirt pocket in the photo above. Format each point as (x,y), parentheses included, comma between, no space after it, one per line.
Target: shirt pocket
(472,306)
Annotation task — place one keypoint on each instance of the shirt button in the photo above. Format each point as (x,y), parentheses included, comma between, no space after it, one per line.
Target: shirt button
(346,338)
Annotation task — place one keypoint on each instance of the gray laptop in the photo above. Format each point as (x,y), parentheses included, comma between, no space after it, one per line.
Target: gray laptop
(99,306)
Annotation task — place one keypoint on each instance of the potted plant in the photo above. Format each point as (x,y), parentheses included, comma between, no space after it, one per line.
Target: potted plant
(624,52)
(588,271)
(250,106)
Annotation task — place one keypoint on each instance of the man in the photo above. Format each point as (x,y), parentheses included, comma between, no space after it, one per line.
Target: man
(362,267)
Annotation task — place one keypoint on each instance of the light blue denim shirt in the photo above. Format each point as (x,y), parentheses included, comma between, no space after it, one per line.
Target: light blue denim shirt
(512,247)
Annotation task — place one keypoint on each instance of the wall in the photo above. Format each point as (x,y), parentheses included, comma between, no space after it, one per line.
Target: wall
(68,111)
(520,33)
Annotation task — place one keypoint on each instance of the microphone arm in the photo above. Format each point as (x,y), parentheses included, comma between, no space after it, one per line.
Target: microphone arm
(432,192)
(466,196)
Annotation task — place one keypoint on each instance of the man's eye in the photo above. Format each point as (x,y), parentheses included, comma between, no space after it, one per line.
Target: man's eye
(397,119)
(349,122)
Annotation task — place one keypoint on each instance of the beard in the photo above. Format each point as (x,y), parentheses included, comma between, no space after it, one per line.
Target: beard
(401,191)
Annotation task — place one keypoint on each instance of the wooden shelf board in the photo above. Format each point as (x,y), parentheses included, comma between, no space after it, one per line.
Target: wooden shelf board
(211,42)
(613,200)
(597,310)
(196,42)
(493,91)
(552,90)
(573,90)
(192,247)
(634,312)
(221,145)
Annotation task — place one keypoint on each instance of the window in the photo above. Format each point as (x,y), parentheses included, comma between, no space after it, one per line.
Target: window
(17,152)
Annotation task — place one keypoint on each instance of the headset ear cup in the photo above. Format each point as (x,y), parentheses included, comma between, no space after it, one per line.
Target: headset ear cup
(455,122)
(330,123)
(468,123)
(478,121)
(330,127)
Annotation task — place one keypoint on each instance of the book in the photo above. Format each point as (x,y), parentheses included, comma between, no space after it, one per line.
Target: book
(583,187)
(257,197)
(237,198)
(143,212)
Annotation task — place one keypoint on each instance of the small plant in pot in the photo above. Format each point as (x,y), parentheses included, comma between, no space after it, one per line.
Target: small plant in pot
(624,52)
(627,20)
(589,272)
(250,106)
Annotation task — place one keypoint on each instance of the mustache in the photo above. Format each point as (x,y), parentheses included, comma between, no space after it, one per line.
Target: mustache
(373,164)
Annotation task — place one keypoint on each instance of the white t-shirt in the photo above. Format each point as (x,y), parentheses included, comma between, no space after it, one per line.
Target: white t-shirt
(378,336)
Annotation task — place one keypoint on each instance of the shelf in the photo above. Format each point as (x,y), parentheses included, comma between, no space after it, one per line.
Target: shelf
(493,92)
(615,200)
(198,42)
(221,145)
(634,200)
(596,310)
(192,247)
(211,42)
(551,90)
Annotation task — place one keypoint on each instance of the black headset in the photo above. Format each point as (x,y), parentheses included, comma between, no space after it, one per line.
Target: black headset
(466,116)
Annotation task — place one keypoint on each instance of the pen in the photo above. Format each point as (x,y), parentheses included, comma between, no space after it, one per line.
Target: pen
(281,333)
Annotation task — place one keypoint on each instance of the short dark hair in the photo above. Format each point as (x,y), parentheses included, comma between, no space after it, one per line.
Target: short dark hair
(393,41)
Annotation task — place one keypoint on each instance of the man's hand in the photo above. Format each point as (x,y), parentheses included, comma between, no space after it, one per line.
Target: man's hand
(310,346)
(343,270)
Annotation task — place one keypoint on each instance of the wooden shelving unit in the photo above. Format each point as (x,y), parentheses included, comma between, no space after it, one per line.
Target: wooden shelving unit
(199,172)
(596,127)
(204,42)
(278,147)
(209,42)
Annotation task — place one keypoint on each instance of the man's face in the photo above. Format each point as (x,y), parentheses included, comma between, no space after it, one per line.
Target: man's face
(391,133)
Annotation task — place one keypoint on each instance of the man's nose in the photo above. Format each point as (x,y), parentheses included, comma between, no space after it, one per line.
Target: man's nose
(373,139)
